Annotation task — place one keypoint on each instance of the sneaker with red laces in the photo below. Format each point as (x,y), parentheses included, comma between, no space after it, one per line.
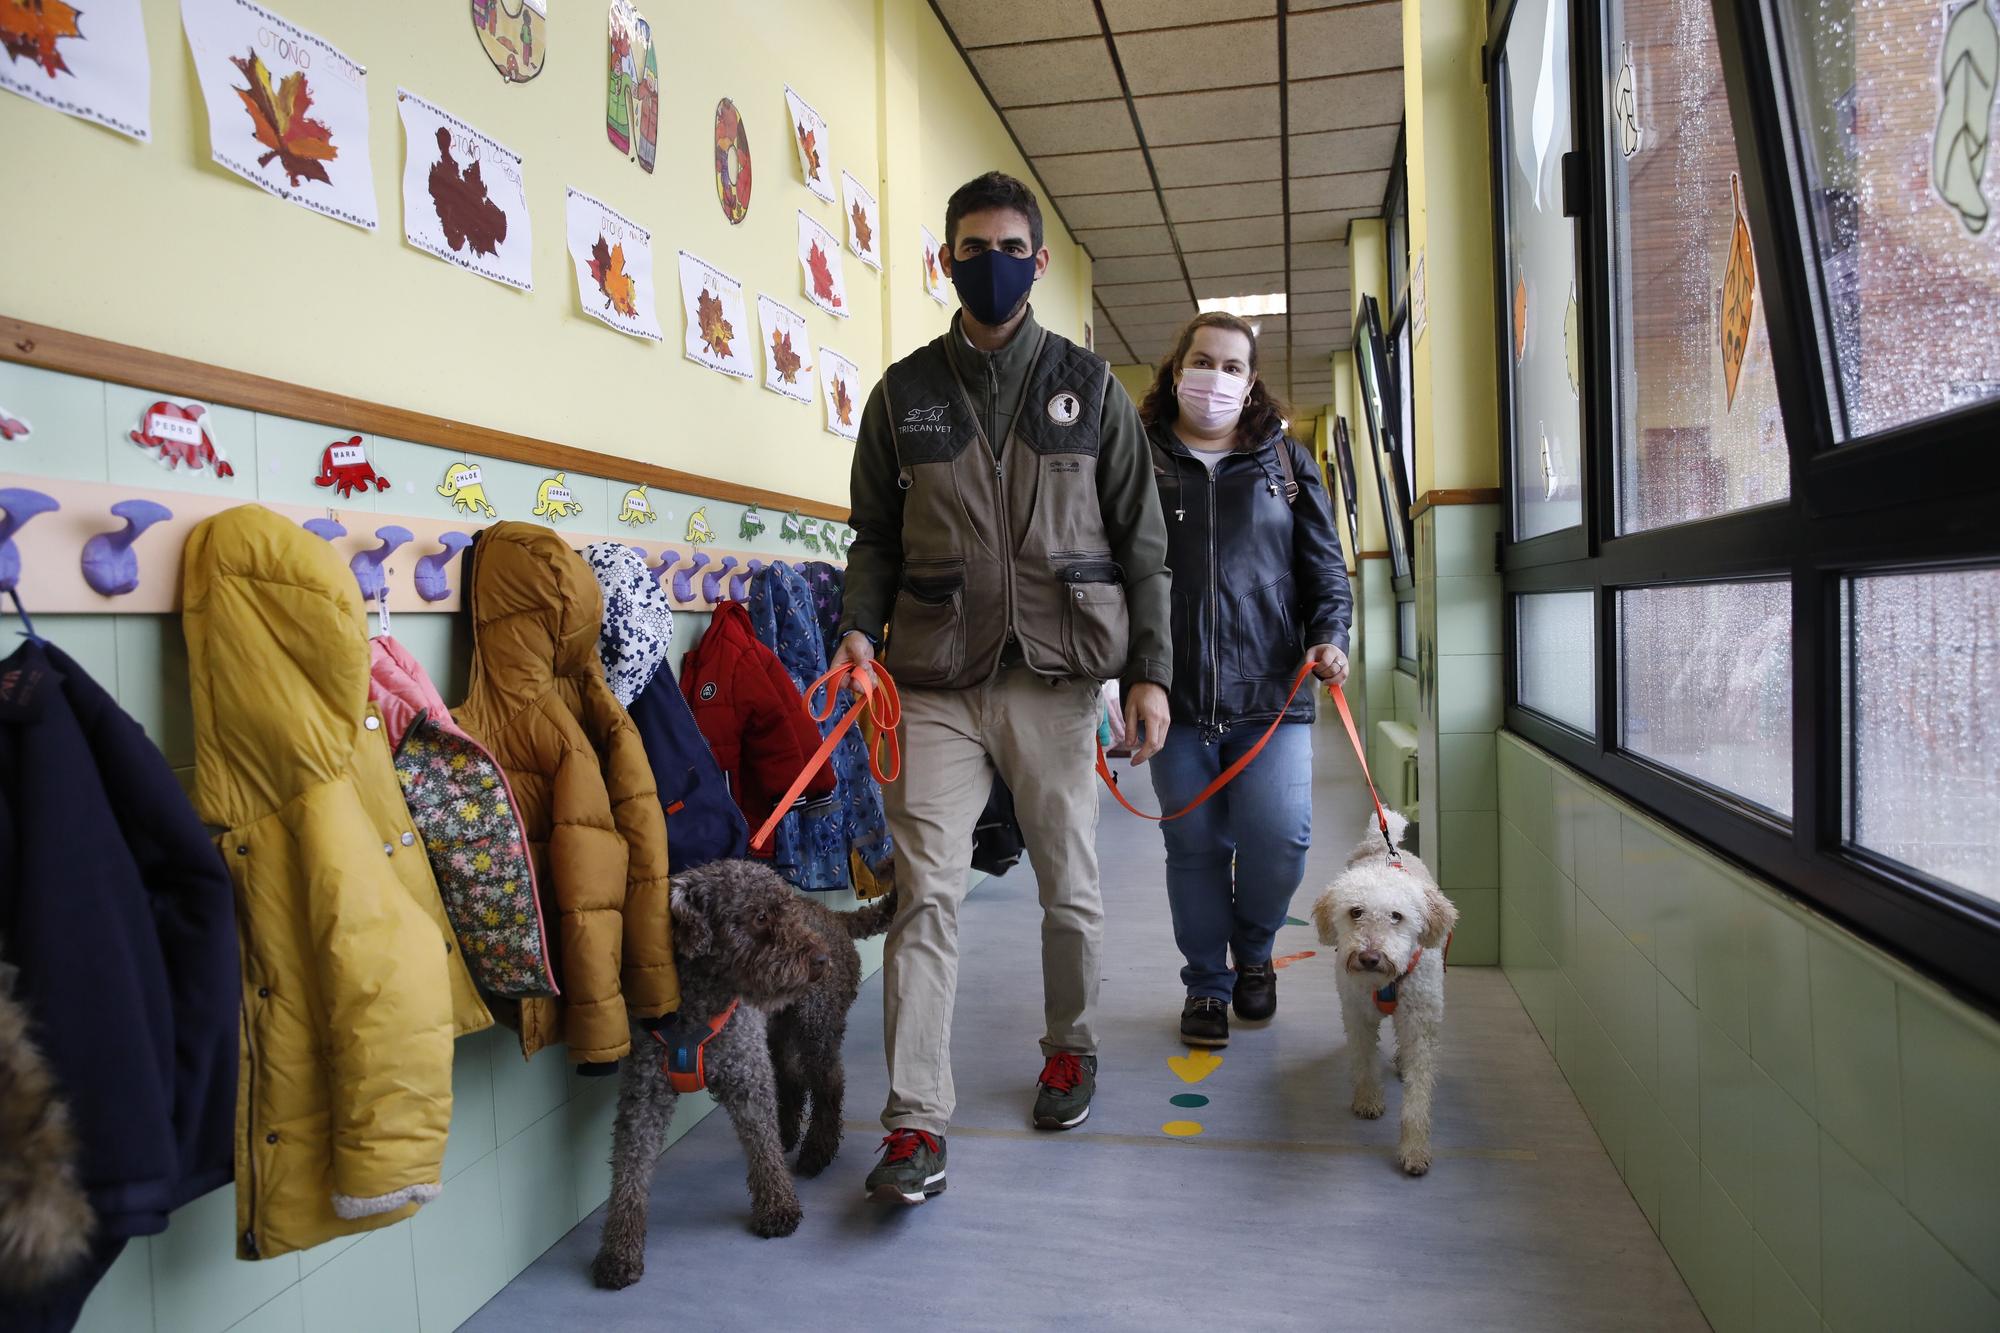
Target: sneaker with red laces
(911,1169)
(1062,1096)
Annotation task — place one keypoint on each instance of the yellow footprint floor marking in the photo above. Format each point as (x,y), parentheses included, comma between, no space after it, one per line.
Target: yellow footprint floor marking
(1195,1066)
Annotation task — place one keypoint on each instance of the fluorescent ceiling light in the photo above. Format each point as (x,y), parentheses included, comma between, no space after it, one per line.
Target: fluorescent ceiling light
(1270,303)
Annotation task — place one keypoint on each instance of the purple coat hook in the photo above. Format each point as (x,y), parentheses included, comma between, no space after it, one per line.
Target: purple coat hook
(432,584)
(325,529)
(18,505)
(684,578)
(669,557)
(742,579)
(367,566)
(110,566)
(711,582)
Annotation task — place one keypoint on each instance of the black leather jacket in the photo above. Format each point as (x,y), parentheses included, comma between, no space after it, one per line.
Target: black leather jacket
(1257,581)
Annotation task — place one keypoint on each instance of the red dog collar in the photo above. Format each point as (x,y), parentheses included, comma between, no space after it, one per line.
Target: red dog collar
(683,1064)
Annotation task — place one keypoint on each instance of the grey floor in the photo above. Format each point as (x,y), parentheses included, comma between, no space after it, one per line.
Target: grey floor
(1285,1212)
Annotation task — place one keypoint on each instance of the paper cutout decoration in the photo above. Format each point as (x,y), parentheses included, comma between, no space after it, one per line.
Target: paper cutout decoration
(1291,958)
(1572,342)
(732,161)
(752,525)
(515,39)
(636,508)
(1548,463)
(95,70)
(180,434)
(698,531)
(809,137)
(464,199)
(841,379)
(465,486)
(718,332)
(1520,315)
(613,257)
(554,499)
(809,536)
(792,527)
(1625,107)
(1739,287)
(819,261)
(632,110)
(864,222)
(788,351)
(287,110)
(1089,337)
(1968,68)
(344,466)
(12,427)
(936,285)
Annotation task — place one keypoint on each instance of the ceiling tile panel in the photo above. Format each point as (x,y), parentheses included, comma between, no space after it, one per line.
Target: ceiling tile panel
(1118,295)
(1370,149)
(1211,117)
(1315,194)
(1345,40)
(1242,284)
(1081,127)
(1131,208)
(1257,199)
(983,23)
(1138,268)
(1154,312)
(1319,279)
(1318,254)
(1252,259)
(1129,15)
(1346,102)
(1093,173)
(1217,55)
(1217,163)
(1040,73)
(1308,303)
(1304,321)
(1329,226)
(1231,235)
(1113,242)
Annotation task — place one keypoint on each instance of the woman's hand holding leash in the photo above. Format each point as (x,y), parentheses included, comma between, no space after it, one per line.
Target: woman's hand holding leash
(1146,720)
(855,652)
(1328,663)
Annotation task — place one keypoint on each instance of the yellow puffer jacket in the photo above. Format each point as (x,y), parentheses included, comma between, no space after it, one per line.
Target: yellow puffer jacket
(352,985)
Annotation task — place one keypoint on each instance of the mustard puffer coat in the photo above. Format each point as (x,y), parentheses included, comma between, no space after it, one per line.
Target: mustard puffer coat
(537,700)
(353,989)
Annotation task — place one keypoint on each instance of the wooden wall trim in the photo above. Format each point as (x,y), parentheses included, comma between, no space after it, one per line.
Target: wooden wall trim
(1471,495)
(1373,555)
(97,358)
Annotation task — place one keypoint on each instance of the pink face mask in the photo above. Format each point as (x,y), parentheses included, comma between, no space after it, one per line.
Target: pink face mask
(1212,399)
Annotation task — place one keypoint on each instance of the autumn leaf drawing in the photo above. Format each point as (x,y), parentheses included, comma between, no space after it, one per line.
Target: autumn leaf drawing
(299,143)
(822,274)
(30,29)
(715,330)
(607,270)
(843,402)
(864,235)
(467,215)
(811,153)
(930,267)
(783,359)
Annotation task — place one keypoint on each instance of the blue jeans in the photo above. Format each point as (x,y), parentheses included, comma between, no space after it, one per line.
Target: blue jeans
(1233,865)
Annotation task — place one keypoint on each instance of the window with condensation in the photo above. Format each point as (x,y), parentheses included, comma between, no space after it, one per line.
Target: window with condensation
(1706,684)
(1923,720)
(1542,351)
(1892,119)
(1699,429)
(1555,671)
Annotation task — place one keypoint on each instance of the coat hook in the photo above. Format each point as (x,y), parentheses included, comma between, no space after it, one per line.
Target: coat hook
(19,505)
(367,566)
(324,528)
(684,578)
(712,582)
(743,577)
(432,583)
(669,557)
(110,566)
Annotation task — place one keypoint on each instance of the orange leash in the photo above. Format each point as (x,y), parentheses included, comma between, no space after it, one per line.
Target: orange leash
(1361,755)
(1222,779)
(877,696)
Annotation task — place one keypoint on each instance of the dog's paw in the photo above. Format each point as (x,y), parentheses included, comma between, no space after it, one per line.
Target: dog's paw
(781,1220)
(1369,1105)
(1414,1161)
(816,1159)
(615,1270)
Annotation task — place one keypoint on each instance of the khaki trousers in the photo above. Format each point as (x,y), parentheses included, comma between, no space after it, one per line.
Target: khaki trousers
(1039,735)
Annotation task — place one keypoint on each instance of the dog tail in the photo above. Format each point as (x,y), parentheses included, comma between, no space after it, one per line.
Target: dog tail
(870,919)
(1398,826)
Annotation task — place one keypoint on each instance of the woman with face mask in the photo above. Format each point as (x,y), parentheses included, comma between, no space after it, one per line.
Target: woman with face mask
(1259,589)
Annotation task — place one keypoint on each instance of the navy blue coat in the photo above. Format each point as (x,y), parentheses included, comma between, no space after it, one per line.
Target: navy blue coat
(703,821)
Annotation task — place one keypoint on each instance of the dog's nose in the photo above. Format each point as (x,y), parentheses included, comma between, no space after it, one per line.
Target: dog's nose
(1369,959)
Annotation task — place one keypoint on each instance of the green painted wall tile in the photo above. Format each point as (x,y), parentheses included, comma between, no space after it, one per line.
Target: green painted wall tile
(1468,850)
(1723,1274)
(1618,986)
(1778,1305)
(1645,1128)
(589,1114)
(1728,1107)
(1468,692)
(232,430)
(1780,992)
(198,1283)
(1680,1205)
(319,1256)
(1785,1191)
(1674,897)
(459,1247)
(1855,1054)
(1680,1059)
(537,1191)
(65,417)
(1722,952)
(90,641)
(1405,686)
(1566,808)
(1645,882)
(1530,786)
(152,682)
(1465,538)
(1475,941)
(1546,900)
(1943,1295)
(1864,1247)
(1530,970)
(526,1090)
(1600,858)
(473,1133)
(122,1300)
(1950,1092)
(372,1286)
(283,1313)
(1467,772)
(1468,613)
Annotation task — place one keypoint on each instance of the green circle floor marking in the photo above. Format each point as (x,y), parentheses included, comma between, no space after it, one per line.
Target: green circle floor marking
(1188,1099)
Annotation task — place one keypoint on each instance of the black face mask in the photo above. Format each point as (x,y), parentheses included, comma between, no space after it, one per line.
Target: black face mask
(992,286)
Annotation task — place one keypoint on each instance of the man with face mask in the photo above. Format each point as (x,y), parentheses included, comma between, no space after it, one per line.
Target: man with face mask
(1009,556)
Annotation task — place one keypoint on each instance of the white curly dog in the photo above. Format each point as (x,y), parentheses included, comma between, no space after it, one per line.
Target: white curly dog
(1388,921)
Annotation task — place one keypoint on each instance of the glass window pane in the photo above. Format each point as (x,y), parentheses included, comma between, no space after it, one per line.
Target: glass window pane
(1924,700)
(1699,433)
(1707,684)
(1557,663)
(1544,369)
(1893,104)
(1406,631)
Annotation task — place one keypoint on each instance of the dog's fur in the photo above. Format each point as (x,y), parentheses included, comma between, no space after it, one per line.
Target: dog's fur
(45,1220)
(741,931)
(1375,917)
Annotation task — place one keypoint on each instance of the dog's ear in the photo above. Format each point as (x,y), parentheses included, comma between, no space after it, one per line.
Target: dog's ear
(693,934)
(1326,916)
(1440,915)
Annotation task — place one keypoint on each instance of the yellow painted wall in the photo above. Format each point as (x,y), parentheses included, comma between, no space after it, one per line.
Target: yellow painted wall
(1136,379)
(156,246)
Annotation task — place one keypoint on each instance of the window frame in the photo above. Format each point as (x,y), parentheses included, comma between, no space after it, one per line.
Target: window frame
(1397,527)
(1869,505)
(1350,486)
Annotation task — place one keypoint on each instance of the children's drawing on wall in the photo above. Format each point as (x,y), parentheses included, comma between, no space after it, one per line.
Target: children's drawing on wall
(632,112)
(179,436)
(515,38)
(1625,107)
(751,527)
(465,486)
(819,262)
(91,65)
(863,222)
(1572,342)
(464,198)
(287,110)
(788,351)
(1739,287)
(809,135)
(732,162)
(613,257)
(699,533)
(1968,69)
(636,509)
(935,284)
(12,427)
(344,466)
(809,537)
(1520,313)
(554,500)
(717,329)
(841,379)
(791,527)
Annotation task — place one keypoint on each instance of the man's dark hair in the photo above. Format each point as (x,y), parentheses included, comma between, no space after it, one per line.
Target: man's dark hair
(996,189)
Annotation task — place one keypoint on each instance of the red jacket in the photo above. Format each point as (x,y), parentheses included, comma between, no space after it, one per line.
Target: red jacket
(751,715)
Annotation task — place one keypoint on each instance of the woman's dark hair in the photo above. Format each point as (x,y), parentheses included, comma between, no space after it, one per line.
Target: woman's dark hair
(995,189)
(1263,411)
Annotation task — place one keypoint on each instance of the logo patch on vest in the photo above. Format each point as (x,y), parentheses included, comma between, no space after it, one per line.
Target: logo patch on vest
(708,691)
(1064,465)
(1065,408)
(924,421)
